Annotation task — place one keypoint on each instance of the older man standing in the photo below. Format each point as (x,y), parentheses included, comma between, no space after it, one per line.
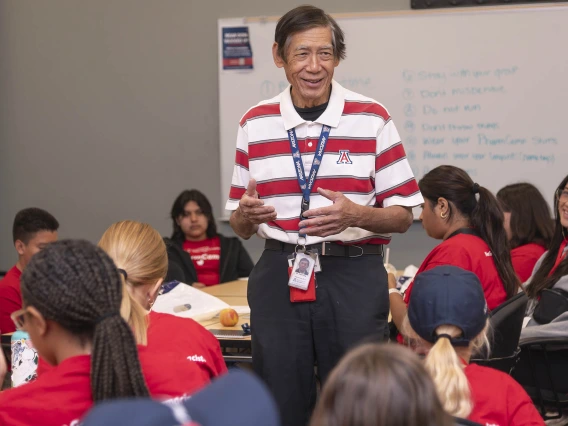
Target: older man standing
(319,170)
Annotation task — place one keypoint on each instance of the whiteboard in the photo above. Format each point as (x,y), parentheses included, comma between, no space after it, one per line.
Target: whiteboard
(484,90)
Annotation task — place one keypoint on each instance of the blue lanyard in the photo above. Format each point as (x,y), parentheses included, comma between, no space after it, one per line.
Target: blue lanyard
(307,185)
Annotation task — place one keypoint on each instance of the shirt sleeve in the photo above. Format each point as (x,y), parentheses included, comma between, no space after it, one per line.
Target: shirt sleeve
(241,173)
(395,184)
(10,301)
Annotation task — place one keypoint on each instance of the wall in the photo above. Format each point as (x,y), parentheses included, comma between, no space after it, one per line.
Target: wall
(108,109)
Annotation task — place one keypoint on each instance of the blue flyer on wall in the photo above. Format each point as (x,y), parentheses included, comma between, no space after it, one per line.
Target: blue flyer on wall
(237,53)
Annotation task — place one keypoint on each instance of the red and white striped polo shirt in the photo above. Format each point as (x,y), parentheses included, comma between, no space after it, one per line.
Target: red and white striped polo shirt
(364,159)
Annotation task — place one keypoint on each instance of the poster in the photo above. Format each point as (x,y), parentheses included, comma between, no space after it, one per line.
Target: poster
(237,53)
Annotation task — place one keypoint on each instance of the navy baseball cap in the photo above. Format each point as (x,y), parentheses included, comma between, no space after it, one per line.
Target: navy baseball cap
(236,399)
(447,295)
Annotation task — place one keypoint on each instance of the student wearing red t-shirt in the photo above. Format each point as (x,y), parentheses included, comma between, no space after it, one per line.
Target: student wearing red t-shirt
(551,272)
(205,256)
(447,320)
(469,221)
(33,229)
(528,225)
(72,294)
(140,253)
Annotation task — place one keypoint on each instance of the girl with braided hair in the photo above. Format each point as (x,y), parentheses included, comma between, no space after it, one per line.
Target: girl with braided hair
(72,294)
(140,253)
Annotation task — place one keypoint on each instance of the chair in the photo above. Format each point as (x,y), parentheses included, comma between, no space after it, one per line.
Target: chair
(543,371)
(506,322)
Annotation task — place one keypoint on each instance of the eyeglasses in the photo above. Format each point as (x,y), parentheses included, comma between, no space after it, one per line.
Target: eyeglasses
(19,318)
(562,194)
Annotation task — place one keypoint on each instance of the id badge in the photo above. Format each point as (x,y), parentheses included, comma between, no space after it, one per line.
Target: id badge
(302,271)
(314,253)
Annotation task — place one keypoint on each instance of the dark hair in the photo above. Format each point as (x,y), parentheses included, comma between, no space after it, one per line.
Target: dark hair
(178,210)
(530,215)
(30,221)
(541,279)
(76,284)
(484,215)
(304,18)
(380,385)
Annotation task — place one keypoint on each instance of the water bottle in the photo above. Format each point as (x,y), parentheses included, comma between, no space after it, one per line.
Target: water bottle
(24,359)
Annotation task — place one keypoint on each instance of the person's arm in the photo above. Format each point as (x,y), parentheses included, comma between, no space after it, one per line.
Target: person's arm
(3,367)
(344,213)
(250,213)
(397,305)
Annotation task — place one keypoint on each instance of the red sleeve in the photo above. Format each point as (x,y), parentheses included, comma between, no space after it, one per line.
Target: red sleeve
(10,301)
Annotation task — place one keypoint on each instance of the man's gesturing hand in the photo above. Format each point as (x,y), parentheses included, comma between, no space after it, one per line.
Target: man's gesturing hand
(331,220)
(252,208)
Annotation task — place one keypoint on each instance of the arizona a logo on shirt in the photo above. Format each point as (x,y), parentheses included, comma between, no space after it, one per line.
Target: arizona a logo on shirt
(344,157)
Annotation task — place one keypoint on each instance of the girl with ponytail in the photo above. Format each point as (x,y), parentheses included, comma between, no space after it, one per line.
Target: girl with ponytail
(447,321)
(550,276)
(469,221)
(72,295)
(140,253)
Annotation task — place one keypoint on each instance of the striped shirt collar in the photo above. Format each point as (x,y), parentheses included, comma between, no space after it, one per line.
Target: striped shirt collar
(330,116)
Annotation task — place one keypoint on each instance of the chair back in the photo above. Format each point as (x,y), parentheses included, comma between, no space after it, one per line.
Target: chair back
(506,322)
(542,370)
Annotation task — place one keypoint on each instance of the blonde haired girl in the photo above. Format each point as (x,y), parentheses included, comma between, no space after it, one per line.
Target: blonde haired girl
(139,252)
(447,320)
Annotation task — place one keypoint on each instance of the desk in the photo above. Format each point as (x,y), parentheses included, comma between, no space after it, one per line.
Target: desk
(233,293)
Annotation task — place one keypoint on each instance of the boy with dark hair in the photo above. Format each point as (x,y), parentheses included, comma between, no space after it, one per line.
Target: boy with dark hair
(33,229)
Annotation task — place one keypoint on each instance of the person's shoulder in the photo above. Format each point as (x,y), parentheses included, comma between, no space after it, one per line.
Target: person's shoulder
(22,395)
(263,108)
(11,278)
(530,249)
(356,103)
(173,322)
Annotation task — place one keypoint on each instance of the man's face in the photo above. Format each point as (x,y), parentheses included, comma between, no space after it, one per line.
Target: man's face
(38,242)
(303,266)
(309,66)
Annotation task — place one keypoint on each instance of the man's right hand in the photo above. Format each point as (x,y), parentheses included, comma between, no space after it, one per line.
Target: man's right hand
(252,208)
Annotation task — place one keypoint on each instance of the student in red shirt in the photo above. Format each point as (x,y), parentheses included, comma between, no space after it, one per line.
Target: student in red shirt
(140,253)
(448,320)
(528,225)
(72,295)
(205,256)
(469,221)
(33,229)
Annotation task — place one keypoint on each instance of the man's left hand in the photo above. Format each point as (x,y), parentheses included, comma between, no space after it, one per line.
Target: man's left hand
(331,220)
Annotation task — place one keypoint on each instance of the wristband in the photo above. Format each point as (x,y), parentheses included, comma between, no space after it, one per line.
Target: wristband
(395,290)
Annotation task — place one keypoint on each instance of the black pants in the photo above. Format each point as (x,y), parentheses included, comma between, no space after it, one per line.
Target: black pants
(288,339)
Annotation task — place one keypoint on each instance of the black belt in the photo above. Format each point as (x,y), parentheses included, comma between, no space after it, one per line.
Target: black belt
(329,248)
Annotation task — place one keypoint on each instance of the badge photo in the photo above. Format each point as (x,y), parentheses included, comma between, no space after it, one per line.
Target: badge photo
(301,271)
